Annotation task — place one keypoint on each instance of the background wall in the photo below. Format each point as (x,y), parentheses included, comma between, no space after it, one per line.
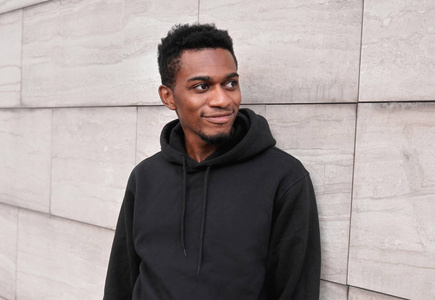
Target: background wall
(347,86)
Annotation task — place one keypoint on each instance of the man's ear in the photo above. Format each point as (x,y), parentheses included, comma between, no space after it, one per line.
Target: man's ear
(167,97)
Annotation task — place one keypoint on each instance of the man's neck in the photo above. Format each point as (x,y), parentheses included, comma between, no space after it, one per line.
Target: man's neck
(199,151)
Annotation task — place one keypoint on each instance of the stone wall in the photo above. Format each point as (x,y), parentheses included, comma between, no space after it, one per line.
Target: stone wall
(348,87)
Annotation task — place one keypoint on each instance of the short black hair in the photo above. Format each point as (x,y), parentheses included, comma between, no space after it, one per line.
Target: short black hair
(188,37)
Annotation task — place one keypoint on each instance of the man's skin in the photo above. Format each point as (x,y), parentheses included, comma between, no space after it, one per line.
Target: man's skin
(206,97)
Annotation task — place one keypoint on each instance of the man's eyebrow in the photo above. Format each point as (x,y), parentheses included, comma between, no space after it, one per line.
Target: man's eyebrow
(208,78)
(232,75)
(201,78)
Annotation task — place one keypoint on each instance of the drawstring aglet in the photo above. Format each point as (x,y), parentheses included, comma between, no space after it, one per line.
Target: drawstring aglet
(199,268)
(185,252)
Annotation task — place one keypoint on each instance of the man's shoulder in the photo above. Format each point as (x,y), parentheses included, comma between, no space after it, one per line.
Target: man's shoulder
(290,171)
(280,159)
(150,163)
(147,167)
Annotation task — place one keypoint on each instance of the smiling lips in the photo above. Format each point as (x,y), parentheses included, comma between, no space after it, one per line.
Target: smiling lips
(219,118)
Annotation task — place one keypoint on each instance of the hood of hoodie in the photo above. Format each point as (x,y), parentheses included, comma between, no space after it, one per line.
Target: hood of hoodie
(251,136)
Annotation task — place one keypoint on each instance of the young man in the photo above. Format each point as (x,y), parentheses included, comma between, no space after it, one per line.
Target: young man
(219,213)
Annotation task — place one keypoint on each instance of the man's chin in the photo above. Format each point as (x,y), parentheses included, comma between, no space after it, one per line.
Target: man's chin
(217,139)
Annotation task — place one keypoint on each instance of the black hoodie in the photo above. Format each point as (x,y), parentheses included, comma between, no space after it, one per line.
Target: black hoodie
(242,224)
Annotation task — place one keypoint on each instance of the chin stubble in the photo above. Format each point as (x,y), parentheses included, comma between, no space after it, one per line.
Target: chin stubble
(216,139)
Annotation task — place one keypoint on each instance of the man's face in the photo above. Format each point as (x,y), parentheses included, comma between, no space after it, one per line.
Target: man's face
(206,95)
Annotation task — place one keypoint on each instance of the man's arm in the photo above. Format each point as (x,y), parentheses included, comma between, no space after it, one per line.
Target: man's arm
(293,265)
(124,261)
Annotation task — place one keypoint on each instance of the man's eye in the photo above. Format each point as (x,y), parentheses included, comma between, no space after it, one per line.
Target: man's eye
(231,84)
(201,87)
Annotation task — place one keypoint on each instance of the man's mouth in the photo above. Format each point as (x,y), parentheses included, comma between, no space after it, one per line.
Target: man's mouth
(220,118)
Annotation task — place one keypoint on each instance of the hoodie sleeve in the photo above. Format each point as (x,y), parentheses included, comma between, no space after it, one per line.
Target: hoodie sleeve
(124,262)
(293,263)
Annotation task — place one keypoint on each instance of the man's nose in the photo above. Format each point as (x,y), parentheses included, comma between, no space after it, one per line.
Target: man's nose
(219,97)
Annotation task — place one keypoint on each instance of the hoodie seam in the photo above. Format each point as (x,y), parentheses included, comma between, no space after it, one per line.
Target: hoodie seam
(290,187)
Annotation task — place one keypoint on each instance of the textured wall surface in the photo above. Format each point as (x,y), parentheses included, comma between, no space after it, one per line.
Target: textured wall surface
(348,88)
